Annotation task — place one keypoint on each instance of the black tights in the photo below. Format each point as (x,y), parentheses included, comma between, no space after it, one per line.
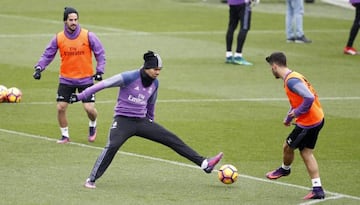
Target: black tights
(355,27)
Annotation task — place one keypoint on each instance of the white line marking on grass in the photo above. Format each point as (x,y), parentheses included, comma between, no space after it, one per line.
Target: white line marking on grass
(212,100)
(94,147)
(117,31)
(127,33)
(252,32)
(140,33)
(39,20)
(336,195)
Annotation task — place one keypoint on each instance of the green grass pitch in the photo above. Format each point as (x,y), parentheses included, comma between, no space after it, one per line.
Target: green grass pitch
(212,106)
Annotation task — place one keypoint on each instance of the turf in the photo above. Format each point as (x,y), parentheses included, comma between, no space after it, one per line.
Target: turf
(212,106)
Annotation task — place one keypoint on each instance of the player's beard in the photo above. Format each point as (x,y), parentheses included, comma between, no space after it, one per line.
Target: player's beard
(276,75)
(72,28)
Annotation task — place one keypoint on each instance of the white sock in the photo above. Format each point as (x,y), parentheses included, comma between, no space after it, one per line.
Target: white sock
(204,164)
(238,54)
(228,54)
(92,123)
(285,167)
(316,182)
(64,131)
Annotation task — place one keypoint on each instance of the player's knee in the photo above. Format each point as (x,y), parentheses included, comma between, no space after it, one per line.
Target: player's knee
(61,106)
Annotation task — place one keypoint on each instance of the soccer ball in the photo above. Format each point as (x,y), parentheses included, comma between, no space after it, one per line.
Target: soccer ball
(228,174)
(3,93)
(14,95)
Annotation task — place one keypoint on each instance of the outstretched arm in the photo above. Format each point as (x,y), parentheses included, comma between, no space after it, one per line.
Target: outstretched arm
(114,81)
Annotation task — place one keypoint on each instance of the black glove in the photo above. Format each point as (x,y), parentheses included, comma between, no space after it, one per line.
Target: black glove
(73,98)
(98,76)
(37,73)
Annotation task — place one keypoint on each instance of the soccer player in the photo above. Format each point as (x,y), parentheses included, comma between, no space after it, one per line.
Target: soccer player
(76,46)
(306,109)
(349,48)
(239,11)
(134,115)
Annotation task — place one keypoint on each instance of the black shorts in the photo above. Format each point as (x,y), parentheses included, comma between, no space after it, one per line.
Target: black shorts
(304,137)
(64,92)
(240,13)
